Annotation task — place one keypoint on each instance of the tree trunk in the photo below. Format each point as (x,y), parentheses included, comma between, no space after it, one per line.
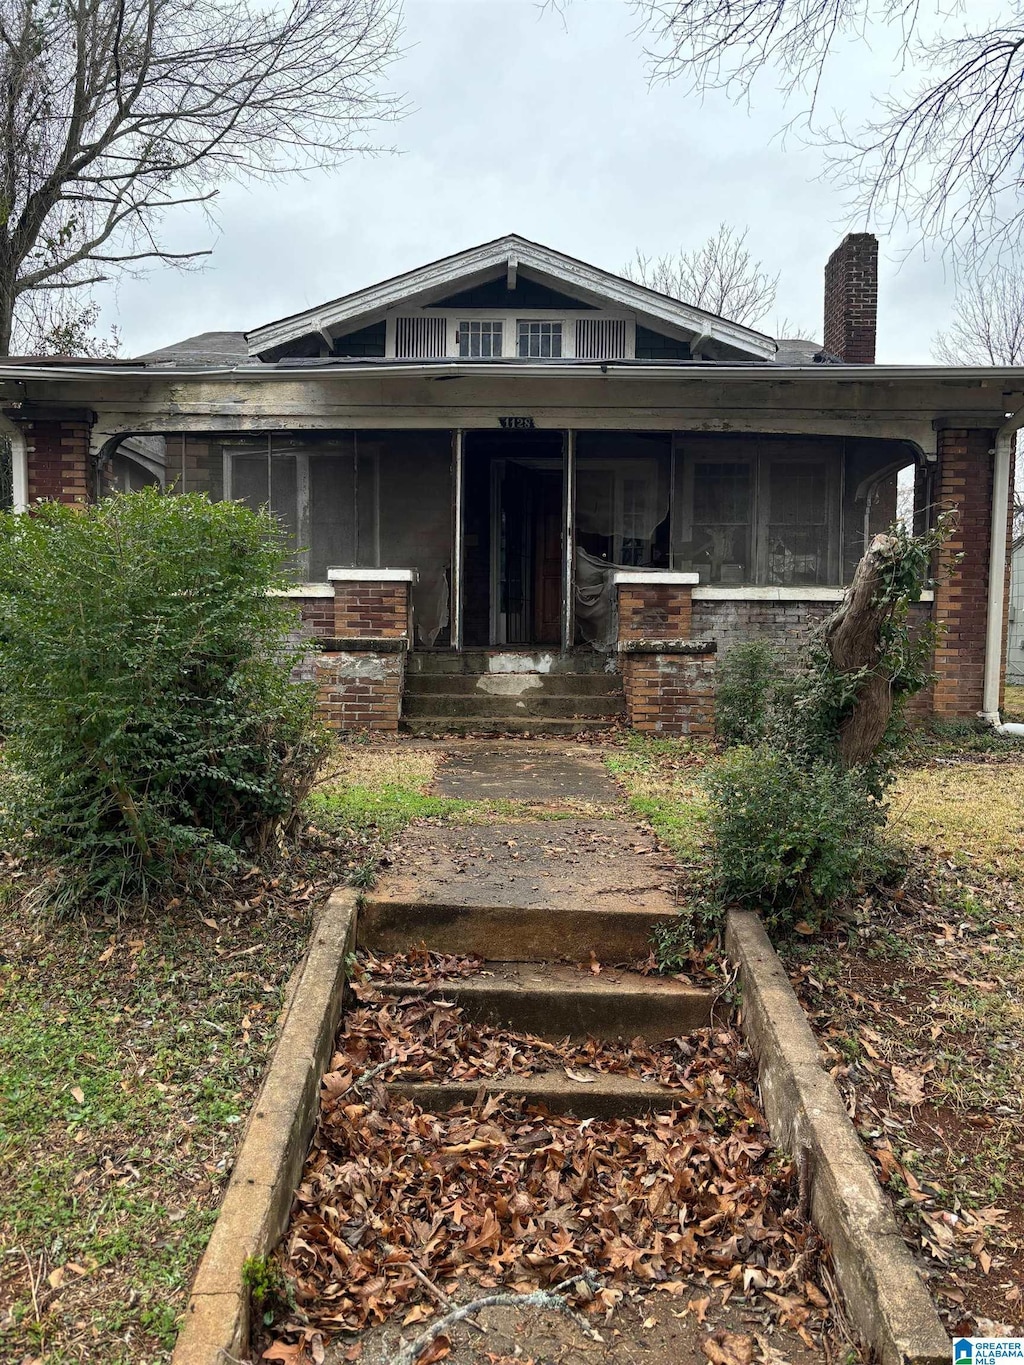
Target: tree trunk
(6,312)
(853,640)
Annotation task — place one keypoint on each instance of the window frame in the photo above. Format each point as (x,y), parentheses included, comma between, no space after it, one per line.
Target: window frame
(759,456)
(497,328)
(553,323)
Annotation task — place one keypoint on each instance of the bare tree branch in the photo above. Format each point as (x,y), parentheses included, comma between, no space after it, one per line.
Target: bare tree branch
(719,277)
(115,112)
(945,152)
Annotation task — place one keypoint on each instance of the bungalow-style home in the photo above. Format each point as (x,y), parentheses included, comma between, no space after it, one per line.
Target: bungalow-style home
(523,492)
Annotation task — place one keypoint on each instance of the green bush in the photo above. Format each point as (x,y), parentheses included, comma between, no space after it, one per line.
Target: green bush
(743,698)
(153,728)
(790,836)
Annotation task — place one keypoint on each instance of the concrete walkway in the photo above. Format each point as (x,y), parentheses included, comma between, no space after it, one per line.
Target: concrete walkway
(560,907)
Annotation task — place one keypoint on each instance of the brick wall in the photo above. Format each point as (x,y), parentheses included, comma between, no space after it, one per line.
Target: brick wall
(964,482)
(655,611)
(58,460)
(787,626)
(851,299)
(668,679)
(360,691)
(670,694)
(368,610)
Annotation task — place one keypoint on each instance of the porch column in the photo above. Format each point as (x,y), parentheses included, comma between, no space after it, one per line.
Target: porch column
(458,537)
(668,678)
(569,540)
(360,672)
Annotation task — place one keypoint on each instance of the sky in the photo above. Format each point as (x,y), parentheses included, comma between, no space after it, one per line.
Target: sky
(520,122)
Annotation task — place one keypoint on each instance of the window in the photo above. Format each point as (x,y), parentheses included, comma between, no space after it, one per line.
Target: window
(480,339)
(539,340)
(762,511)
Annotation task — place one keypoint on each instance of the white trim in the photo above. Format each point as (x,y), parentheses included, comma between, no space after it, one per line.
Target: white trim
(1002,465)
(373,576)
(19,463)
(565,271)
(710,593)
(304,590)
(655,577)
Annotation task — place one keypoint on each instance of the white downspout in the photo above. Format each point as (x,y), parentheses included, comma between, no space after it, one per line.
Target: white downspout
(19,462)
(1002,455)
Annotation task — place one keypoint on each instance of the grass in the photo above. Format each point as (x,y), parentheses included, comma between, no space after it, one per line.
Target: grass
(662,782)
(129,1056)
(1013,707)
(969,814)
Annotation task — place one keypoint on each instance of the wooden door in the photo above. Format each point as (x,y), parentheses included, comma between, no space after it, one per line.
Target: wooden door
(547,557)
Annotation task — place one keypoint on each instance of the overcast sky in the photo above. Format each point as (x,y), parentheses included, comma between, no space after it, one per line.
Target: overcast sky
(520,124)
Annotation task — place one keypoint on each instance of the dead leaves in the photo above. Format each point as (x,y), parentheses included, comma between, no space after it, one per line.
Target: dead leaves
(501,1194)
(908,1084)
(729,1348)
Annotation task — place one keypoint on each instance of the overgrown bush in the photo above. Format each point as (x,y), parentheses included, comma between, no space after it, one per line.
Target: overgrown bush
(748,675)
(154,732)
(790,836)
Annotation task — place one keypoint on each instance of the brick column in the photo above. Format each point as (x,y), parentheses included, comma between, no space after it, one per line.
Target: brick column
(361,670)
(963,482)
(58,458)
(668,678)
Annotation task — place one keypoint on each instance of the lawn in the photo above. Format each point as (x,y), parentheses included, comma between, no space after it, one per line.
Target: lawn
(916,992)
(130,1053)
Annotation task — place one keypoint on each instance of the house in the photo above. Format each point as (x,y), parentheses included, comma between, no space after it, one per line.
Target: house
(519,488)
(1015,623)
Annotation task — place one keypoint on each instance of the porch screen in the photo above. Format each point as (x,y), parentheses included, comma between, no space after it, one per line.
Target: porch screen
(758,510)
(622,506)
(358,500)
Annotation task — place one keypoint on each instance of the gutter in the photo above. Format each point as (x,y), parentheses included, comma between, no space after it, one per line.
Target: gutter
(1002,459)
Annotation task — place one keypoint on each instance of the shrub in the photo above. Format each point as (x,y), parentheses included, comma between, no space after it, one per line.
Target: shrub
(153,730)
(743,698)
(790,836)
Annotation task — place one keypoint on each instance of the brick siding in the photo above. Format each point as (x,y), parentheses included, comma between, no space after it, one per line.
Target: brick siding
(371,610)
(961,599)
(851,299)
(656,611)
(360,691)
(670,694)
(58,461)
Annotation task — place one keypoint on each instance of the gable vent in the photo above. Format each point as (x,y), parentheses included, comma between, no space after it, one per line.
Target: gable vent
(420,338)
(600,339)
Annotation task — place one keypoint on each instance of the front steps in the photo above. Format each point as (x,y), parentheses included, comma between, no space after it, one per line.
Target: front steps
(554,1001)
(601,1095)
(513,692)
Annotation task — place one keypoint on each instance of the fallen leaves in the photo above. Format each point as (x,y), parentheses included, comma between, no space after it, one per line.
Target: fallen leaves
(729,1348)
(499,1193)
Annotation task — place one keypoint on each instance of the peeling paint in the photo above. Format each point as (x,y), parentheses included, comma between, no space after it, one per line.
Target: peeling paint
(507,684)
(520,663)
(361,666)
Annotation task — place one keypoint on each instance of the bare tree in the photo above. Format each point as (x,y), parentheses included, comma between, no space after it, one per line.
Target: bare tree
(988,320)
(946,149)
(988,329)
(115,112)
(720,277)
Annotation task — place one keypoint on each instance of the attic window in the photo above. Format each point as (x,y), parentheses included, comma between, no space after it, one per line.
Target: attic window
(600,338)
(420,338)
(539,340)
(480,339)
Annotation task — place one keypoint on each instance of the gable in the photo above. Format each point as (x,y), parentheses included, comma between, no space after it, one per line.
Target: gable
(526,295)
(510,279)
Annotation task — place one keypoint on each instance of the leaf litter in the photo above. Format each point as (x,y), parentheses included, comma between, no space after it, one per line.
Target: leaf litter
(400,1209)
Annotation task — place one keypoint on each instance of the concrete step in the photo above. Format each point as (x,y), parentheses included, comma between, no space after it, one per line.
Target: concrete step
(538,726)
(552,1000)
(508,660)
(486,685)
(388,923)
(602,1096)
(480,706)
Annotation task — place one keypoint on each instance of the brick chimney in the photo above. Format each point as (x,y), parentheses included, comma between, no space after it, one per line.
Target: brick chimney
(851,299)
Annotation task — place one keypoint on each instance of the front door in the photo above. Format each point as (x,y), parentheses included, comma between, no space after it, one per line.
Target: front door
(512,515)
(527,552)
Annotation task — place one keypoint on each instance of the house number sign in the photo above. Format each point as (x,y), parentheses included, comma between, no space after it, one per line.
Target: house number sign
(516,423)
